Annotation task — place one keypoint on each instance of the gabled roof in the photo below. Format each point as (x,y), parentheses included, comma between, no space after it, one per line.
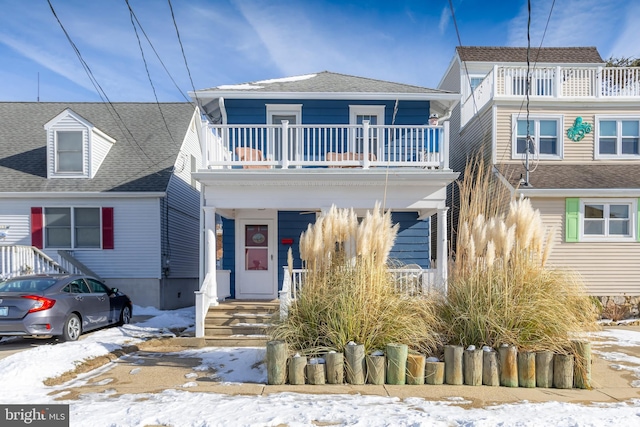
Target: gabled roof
(576,176)
(141,161)
(324,82)
(560,55)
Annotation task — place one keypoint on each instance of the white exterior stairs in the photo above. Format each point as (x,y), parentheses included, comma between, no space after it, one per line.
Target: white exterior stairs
(239,323)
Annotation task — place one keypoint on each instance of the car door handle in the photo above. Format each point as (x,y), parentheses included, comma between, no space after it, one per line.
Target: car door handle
(101,298)
(79,298)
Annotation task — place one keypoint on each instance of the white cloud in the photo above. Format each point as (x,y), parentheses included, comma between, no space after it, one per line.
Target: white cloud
(627,42)
(444,19)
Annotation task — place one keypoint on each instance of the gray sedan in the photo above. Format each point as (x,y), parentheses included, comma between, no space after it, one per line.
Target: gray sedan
(59,305)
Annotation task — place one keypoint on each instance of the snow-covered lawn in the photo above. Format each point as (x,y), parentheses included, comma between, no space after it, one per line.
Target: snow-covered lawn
(22,376)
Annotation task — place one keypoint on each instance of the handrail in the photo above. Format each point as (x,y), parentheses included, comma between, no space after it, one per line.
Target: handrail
(16,260)
(203,301)
(66,256)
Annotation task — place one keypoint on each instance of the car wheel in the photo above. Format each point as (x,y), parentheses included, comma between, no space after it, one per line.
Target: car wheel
(72,328)
(125,315)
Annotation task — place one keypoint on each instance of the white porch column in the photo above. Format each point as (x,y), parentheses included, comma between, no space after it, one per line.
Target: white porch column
(442,252)
(210,257)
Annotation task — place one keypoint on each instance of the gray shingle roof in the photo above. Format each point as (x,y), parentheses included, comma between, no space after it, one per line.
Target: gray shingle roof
(566,55)
(325,81)
(584,176)
(141,161)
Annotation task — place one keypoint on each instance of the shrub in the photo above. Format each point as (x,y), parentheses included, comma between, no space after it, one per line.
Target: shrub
(348,293)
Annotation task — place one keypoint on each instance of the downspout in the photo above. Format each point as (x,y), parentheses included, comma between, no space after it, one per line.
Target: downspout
(223,110)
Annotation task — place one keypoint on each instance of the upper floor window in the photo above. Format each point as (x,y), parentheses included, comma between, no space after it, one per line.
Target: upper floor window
(545,133)
(69,157)
(72,227)
(617,137)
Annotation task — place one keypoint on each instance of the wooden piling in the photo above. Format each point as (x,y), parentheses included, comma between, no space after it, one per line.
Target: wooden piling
(563,371)
(508,366)
(315,373)
(544,369)
(354,355)
(375,369)
(335,368)
(527,369)
(397,363)
(297,367)
(490,370)
(415,369)
(582,366)
(434,373)
(276,362)
(453,364)
(472,366)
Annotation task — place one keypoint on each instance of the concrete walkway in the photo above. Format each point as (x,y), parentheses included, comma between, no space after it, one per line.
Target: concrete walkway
(156,366)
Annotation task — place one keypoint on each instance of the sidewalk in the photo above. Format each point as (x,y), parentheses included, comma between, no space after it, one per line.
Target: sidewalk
(157,365)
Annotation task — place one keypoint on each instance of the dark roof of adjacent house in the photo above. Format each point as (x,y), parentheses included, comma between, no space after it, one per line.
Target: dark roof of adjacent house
(582,176)
(324,82)
(561,55)
(141,159)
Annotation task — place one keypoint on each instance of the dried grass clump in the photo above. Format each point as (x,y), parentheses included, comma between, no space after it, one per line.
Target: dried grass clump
(500,291)
(348,293)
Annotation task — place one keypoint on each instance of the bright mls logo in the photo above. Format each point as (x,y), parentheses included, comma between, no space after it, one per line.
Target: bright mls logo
(34,415)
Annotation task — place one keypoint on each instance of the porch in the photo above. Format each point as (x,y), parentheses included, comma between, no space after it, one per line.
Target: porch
(285,145)
(561,83)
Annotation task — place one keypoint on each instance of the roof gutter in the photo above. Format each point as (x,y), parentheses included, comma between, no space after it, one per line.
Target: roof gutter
(254,94)
(579,192)
(83,195)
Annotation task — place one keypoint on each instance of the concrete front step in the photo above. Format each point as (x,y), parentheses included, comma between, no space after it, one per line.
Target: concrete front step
(223,331)
(220,319)
(236,341)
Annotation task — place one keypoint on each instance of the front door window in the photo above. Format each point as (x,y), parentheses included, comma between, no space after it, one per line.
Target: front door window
(256,247)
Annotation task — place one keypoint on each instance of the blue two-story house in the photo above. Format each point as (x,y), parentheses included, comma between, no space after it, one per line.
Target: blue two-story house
(276,153)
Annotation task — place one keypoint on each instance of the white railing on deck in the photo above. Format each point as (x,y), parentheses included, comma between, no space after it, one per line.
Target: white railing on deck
(299,145)
(409,281)
(553,82)
(16,260)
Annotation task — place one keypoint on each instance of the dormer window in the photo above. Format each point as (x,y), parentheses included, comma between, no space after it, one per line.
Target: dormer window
(75,147)
(69,157)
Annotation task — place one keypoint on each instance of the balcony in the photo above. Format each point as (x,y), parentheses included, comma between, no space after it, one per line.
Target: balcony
(563,83)
(285,146)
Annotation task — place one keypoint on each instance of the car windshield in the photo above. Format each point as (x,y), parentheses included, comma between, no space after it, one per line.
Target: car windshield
(27,285)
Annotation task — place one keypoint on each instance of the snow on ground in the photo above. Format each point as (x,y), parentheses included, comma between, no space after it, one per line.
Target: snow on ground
(21,376)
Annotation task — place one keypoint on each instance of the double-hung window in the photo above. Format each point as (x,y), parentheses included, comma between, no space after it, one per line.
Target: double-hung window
(72,228)
(546,137)
(69,152)
(617,137)
(608,219)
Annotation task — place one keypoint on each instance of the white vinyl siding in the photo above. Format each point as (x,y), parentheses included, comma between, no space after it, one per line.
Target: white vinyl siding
(100,146)
(607,268)
(136,234)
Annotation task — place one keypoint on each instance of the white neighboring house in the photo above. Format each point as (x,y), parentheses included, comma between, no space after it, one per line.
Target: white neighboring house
(105,189)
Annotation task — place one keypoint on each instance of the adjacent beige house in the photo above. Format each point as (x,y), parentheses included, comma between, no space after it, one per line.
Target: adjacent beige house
(570,143)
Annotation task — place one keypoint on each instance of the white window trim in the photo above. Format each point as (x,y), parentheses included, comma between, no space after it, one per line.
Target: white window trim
(363,110)
(284,110)
(596,147)
(633,212)
(73,228)
(535,134)
(61,174)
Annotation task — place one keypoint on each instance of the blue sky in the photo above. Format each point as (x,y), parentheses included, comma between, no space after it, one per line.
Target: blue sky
(235,41)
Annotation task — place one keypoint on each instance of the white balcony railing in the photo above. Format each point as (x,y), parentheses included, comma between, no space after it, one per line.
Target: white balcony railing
(295,146)
(409,281)
(553,82)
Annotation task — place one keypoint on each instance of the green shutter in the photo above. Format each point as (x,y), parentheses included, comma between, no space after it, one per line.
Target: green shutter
(572,219)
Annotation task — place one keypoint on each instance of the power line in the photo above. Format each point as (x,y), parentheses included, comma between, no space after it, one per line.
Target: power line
(146,67)
(96,85)
(173,17)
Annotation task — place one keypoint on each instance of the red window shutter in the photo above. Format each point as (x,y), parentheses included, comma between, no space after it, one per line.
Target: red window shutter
(36,228)
(107,228)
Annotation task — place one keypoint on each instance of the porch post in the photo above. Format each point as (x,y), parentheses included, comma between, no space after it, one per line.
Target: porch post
(210,266)
(366,140)
(442,252)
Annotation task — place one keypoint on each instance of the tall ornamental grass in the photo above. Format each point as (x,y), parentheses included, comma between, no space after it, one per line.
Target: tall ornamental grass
(348,293)
(500,289)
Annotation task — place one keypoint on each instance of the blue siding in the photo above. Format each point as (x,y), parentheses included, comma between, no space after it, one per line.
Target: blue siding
(413,243)
(324,111)
(229,251)
(290,226)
